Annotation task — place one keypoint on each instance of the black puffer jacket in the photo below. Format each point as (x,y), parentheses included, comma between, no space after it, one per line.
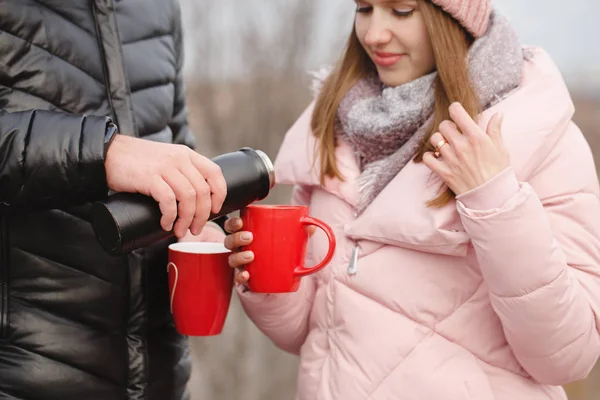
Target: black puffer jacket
(76,323)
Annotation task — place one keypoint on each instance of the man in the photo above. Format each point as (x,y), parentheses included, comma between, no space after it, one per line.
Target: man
(81,83)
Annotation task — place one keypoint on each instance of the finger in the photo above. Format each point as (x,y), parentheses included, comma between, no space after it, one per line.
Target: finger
(203,205)
(242,277)
(439,143)
(237,260)
(450,132)
(186,195)
(233,225)
(203,200)
(447,153)
(437,140)
(214,176)
(463,120)
(167,202)
(237,240)
(494,128)
(436,165)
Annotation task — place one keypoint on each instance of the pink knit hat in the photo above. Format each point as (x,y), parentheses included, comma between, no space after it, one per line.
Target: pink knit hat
(474,15)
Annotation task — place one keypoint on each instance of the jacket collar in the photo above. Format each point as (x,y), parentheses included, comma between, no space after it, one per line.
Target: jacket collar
(535,116)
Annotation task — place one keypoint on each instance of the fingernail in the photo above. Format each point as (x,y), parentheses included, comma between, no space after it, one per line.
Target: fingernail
(247,256)
(245,275)
(246,236)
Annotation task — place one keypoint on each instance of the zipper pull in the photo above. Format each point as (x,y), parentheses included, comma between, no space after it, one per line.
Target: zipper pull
(353,266)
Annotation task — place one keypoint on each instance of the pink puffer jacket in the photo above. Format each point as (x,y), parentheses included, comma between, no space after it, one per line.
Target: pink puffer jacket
(495,296)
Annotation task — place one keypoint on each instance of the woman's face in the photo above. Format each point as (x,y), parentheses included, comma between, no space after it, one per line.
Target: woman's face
(394,35)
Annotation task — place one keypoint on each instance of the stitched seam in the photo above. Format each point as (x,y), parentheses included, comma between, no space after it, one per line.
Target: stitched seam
(385,378)
(460,306)
(143,39)
(395,242)
(35,306)
(125,323)
(37,97)
(26,146)
(533,291)
(181,382)
(572,342)
(104,62)
(107,380)
(145,323)
(58,263)
(81,135)
(4,278)
(52,10)
(12,395)
(166,83)
(397,312)
(550,201)
(121,58)
(56,56)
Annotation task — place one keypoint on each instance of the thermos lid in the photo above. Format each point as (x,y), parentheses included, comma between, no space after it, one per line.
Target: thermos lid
(269,166)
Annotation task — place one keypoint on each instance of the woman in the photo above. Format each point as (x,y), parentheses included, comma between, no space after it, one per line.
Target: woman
(465,203)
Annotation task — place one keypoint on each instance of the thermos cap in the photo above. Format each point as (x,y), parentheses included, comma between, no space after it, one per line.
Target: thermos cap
(269,166)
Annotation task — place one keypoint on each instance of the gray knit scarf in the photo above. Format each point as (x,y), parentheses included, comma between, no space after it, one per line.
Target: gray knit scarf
(386,125)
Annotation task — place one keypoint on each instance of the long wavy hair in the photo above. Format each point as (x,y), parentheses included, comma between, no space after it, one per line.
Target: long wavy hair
(450,42)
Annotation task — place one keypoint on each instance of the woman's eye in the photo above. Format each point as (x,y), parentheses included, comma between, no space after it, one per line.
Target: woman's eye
(403,13)
(363,9)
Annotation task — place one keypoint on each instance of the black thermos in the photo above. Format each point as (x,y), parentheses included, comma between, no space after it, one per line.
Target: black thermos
(128,221)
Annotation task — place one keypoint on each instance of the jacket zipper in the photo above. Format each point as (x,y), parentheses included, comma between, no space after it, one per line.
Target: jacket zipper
(3,278)
(104,66)
(353,264)
(107,35)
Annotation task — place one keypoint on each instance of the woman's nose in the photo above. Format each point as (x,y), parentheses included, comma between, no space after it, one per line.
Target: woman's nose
(378,32)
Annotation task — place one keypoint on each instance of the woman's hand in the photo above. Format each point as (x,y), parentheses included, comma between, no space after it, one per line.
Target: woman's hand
(234,242)
(469,159)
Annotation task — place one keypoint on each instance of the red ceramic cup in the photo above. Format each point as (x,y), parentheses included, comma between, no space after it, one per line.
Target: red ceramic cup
(279,246)
(200,286)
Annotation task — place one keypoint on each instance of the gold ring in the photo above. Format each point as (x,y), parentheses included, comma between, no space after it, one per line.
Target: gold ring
(440,144)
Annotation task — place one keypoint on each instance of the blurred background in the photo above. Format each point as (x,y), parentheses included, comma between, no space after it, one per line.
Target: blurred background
(247,70)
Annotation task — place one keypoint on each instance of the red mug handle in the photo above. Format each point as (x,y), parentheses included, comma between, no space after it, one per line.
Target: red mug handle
(303,271)
(175,284)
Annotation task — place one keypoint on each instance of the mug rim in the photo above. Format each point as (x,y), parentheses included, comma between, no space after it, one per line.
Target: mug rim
(199,248)
(276,207)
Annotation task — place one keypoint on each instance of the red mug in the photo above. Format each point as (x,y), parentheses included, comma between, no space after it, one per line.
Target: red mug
(279,246)
(200,287)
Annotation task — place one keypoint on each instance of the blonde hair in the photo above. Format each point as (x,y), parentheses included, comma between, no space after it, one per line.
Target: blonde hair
(450,42)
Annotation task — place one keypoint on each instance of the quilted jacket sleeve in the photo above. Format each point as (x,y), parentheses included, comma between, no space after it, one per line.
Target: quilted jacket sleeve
(284,317)
(51,159)
(539,253)
(179,122)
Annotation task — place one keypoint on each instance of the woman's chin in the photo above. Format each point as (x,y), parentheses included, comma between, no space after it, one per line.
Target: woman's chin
(393,78)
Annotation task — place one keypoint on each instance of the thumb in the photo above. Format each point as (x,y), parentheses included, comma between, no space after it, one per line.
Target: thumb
(494,128)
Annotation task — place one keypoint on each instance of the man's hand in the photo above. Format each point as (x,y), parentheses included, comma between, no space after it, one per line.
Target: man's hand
(210,233)
(171,174)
